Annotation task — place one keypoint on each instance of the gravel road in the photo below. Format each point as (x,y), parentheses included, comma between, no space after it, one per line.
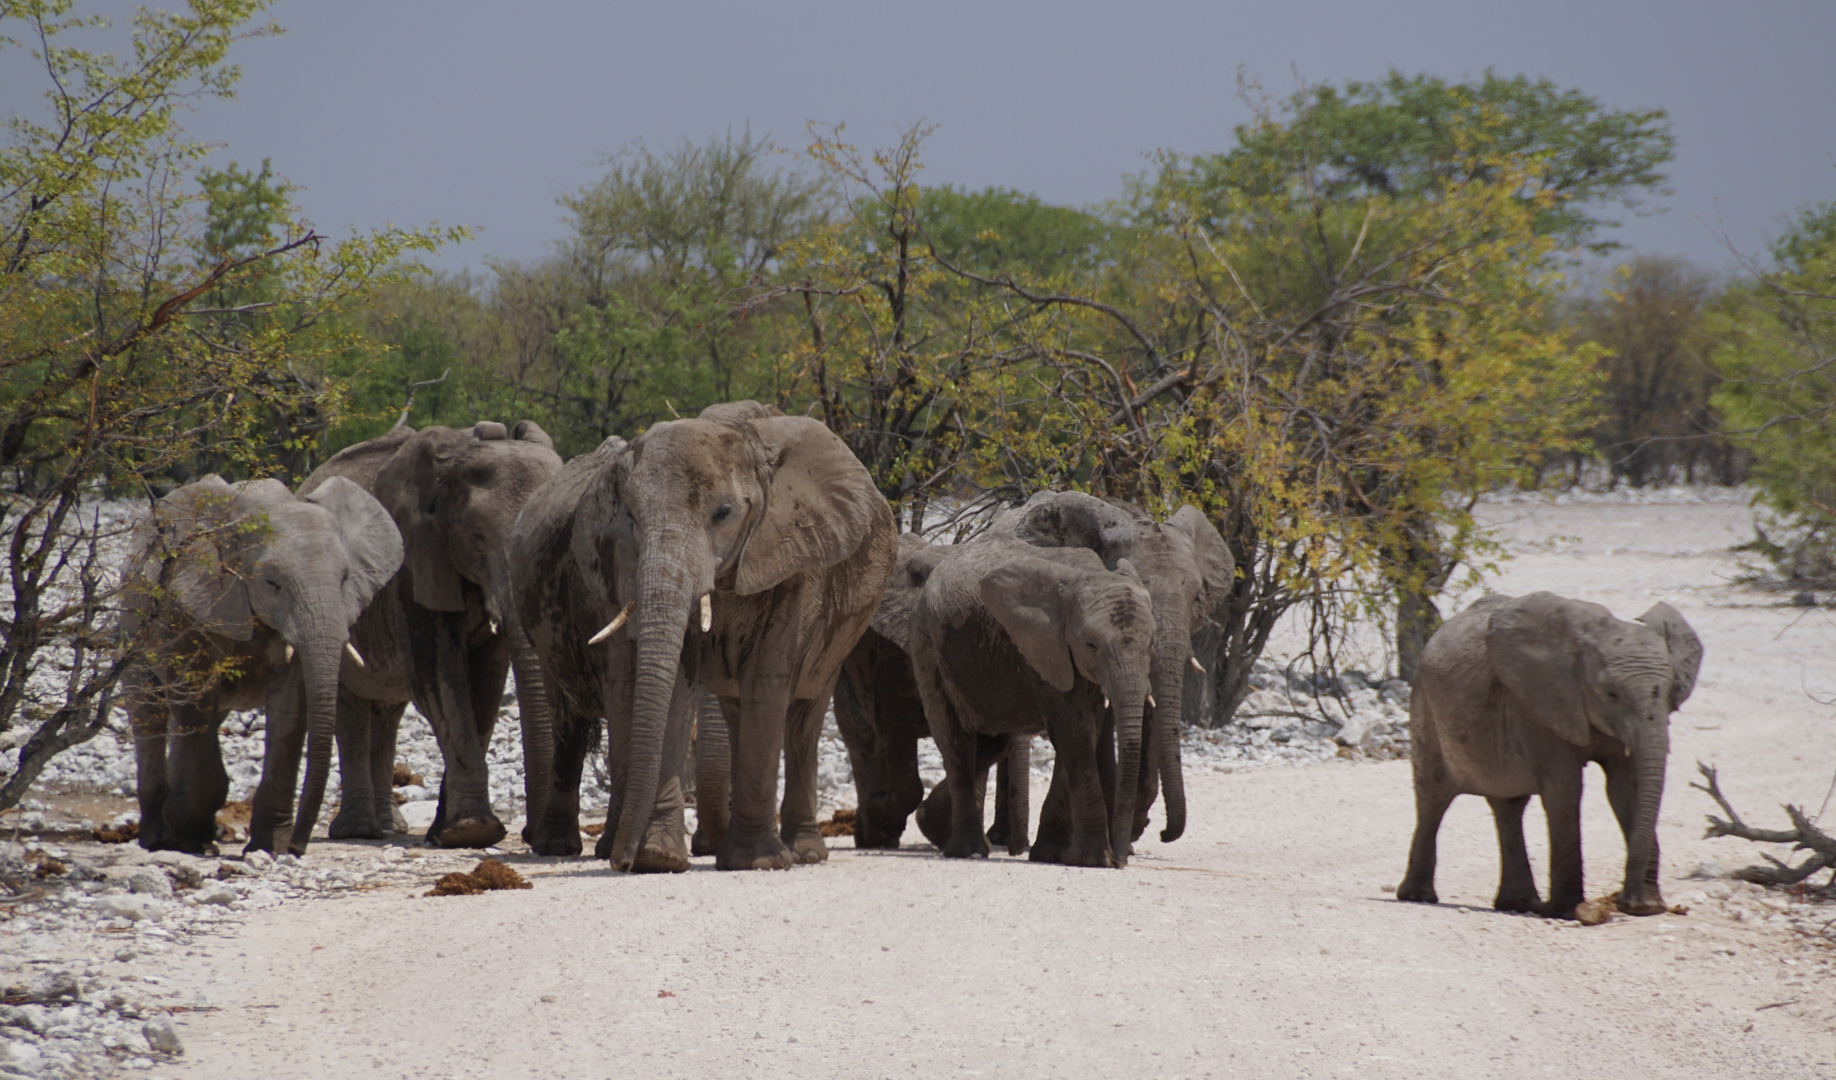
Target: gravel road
(1263,944)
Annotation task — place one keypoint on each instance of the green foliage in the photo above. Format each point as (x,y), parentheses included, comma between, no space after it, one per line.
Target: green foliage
(1779,397)
(1002,231)
(153,316)
(1415,135)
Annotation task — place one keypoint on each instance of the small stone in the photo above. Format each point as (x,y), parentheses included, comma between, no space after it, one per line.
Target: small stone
(258,860)
(125,953)
(184,876)
(21,1057)
(55,986)
(148,881)
(215,893)
(1717,890)
(124,906)
(1804,599)
(1707,869)
(162,1036)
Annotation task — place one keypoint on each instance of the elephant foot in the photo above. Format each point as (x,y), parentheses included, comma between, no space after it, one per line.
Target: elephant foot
(1090,855)
(807,846)
(972,846)
(1421,892)
(1649,904)
(661,858)
(471,832)
(1048,850)
(997,834)
(1560,909)
(934,817)
(351,825)
(1520,904)
(762,853)
(1140,826)
(550,837)
(706,841)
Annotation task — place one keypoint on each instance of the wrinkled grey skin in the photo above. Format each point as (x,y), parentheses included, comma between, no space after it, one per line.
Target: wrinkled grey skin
(444,633)
(266,584)
(1513,698)
(774,520)
(1187,570)
(877,709)
(1007,640)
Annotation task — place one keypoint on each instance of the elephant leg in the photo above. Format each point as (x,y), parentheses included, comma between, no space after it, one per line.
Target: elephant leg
(713,773)
(272,807)
(934,815)
(558,832)
(1561,795)
(962,772)
(443,693)
(196,782)
(1645,898)
(797,825)
(1516,885)
(757,736)
(385,725)
(357,805)
(1434,793)
(150,723)
(1054,838)
(1080,749)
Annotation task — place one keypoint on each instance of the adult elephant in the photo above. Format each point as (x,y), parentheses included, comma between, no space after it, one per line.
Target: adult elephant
(743,551)
(445,633)
(1513,697)
(248,593)
(1007,640)
(1187,570)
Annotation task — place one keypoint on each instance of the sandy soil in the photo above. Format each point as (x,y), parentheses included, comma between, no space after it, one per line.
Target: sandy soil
(1263,944)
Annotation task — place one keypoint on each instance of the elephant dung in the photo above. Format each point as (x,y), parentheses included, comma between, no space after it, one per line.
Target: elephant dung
(485,877)
(117,834)
(1598,910)
(841,824)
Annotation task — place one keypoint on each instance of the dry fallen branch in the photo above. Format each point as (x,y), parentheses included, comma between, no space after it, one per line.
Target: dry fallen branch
(1804,836)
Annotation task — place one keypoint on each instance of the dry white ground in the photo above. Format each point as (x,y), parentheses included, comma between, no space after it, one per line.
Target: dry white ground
(1263,944)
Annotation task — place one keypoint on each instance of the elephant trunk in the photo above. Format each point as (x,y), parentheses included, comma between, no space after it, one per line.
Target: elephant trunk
(1129,703)
(538,722)
(1640,895)
(1172,656)
(658,622)
(321,647)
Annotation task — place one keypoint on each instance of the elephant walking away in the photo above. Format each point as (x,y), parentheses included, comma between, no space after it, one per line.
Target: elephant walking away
(1008,639)
(445,632)
(743,551)
(250,593)
(1513,697)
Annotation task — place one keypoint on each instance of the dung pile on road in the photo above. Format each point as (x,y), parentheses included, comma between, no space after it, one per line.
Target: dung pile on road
(487,876)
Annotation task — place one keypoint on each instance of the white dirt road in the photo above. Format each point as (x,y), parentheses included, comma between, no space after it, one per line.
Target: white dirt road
(1263,944)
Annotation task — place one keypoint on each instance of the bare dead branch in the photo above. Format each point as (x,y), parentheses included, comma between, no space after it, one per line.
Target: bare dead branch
(1803,836)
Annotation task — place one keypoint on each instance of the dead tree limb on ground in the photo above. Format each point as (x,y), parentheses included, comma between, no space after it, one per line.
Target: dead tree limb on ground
(1804,836)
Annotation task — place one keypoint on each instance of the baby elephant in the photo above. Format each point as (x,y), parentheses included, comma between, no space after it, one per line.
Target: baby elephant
(1513,698)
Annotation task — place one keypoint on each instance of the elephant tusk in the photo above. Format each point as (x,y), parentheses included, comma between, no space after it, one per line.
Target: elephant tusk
(611,627)
(493,627)
(1196,666)
(1151,704)
(1106,701)
(707,612)
(289,654)
(355,655)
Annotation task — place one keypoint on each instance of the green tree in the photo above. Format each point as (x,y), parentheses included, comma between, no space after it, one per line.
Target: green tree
(118,367)
(1778,334)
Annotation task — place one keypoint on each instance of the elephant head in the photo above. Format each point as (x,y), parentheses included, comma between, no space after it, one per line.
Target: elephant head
(1580,672)
(455,493)
(251,558)
(1071,622)
(729,504)
(1187,570)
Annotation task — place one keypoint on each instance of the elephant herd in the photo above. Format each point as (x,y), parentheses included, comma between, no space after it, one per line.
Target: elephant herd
(717,582)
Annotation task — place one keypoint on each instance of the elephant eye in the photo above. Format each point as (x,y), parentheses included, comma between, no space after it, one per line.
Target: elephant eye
(1091,645)
(723,512)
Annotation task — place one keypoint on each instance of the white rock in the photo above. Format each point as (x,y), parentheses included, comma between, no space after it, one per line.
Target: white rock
(162,1036)
(150,881)
(125,906)
(215,892)
(264,898)
(21,1057)
(258,861)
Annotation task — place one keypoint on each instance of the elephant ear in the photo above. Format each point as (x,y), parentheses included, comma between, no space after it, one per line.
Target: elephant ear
(819,504)
(192,530)
(1023,596)
(372,546)
(1217,569)
(407,485)
(1684,646)
(915,561)
(531,432)
(1532,646)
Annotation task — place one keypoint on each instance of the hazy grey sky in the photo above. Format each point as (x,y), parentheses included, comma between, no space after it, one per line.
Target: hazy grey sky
(410,111)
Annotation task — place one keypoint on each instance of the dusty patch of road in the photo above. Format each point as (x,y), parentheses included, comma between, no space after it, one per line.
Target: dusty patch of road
(1263,944)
